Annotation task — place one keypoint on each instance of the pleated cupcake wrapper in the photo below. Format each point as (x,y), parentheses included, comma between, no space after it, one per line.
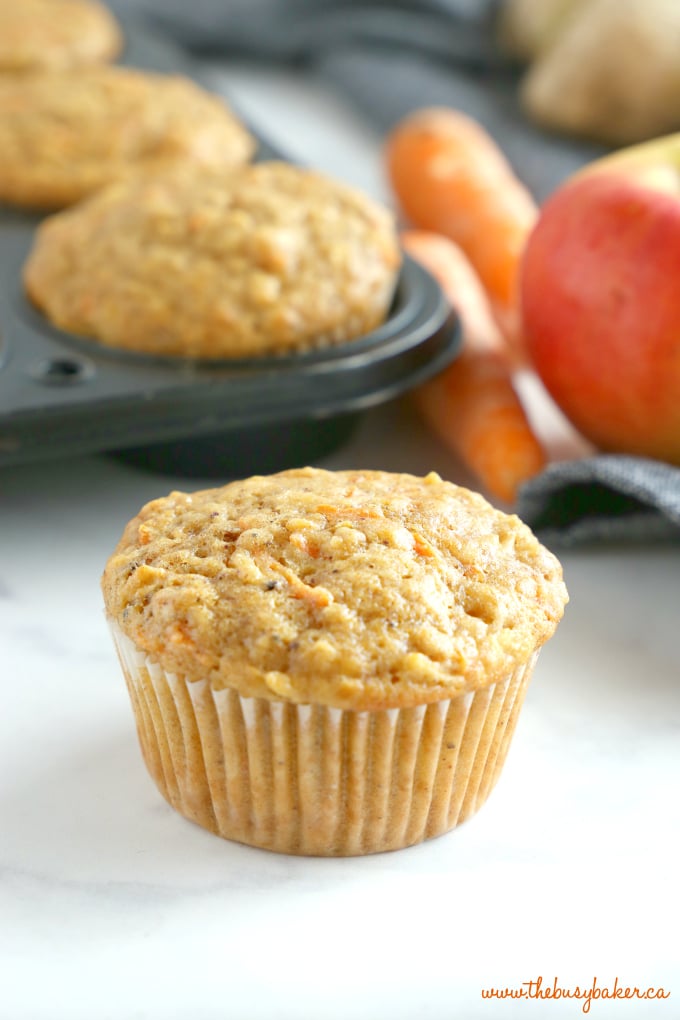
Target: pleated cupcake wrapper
(309,779)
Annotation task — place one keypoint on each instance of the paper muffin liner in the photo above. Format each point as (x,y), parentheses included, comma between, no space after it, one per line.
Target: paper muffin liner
(309,779)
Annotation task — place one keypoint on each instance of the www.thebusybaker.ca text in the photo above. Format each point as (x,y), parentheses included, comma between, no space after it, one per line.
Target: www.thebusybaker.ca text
(538,988)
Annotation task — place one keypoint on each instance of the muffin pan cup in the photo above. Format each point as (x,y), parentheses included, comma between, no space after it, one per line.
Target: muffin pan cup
(314,780)
(63,395)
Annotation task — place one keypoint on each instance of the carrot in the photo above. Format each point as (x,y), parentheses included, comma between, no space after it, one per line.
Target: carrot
(449,176)
(472,405)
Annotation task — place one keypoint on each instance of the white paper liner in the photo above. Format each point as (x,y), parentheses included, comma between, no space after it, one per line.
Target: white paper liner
(308,779)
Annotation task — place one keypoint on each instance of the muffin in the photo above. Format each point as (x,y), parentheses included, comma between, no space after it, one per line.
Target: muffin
(268,259)
(65,135)
(56,34)
(328,663)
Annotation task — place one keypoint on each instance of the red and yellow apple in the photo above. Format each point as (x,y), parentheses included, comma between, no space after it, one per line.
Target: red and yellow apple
(600,299)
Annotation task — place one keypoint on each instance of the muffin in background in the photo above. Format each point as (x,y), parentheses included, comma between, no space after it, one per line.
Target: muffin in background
(266,259)
(328,663)
(65,135)
(56,34)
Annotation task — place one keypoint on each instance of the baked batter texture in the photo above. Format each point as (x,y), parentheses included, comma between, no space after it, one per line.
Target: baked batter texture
(329,663)
(56,34)
(64,135)
(268,258)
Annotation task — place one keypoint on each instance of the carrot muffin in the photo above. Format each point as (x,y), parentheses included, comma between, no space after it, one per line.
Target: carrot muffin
(56,34)
(269,258)
(328,663)
(64,135)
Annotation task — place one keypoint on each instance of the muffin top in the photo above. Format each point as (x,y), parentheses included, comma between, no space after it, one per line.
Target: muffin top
(355,589)
(269,258)
(66,134)
(56,34)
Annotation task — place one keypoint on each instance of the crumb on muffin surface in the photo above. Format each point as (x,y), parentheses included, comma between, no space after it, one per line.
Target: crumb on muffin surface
(268,258)
(355,589)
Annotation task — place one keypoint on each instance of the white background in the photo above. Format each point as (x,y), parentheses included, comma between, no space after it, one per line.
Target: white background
(112,906)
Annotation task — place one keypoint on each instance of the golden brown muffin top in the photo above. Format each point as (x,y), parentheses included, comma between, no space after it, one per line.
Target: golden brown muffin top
(65,135)
(56,34)
(356,589)
(269,258)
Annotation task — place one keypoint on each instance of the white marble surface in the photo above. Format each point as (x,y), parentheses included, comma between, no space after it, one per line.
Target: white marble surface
(112,906)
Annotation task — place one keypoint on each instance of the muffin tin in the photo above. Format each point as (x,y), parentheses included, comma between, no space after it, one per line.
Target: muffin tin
(62,395)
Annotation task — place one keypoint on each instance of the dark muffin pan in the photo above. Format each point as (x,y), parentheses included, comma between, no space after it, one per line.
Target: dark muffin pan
(62,395)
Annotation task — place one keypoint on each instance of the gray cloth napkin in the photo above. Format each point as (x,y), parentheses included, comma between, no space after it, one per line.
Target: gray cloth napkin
(393,56)
(604,498)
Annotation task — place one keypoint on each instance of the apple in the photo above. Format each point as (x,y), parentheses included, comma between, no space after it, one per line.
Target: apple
(600,300)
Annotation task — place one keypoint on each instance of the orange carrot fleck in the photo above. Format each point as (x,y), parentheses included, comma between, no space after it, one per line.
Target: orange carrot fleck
(421,546)
(305,545)
(362,513)
(319,597)
(450,177)
(472,405)
(179,635)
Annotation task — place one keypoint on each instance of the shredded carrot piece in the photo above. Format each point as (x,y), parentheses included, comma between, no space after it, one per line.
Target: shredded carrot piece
(301,542)
(363,513)
(421,545)
(319,597)
(178,635)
